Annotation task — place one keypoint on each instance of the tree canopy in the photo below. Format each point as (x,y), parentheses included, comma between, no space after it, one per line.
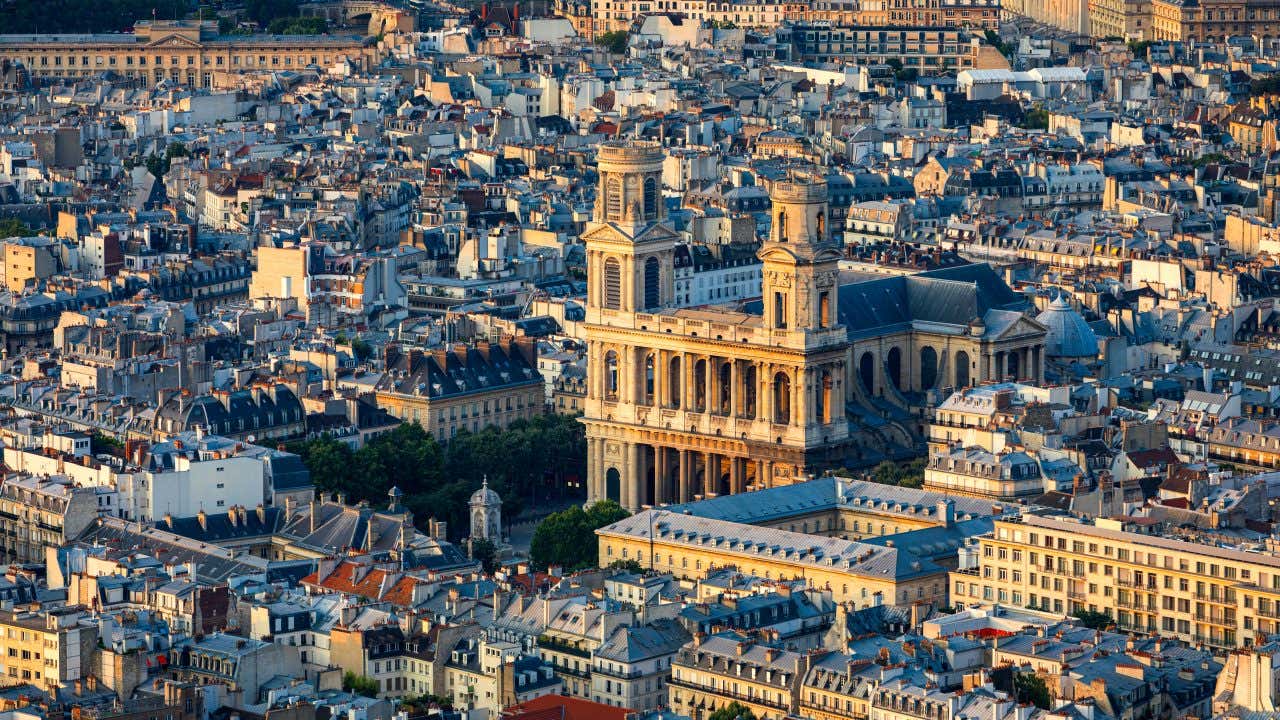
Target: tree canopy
(13,227)
(360,684)
(614,41)
(568,538)
(733,711)
(520,462)
(1029,687)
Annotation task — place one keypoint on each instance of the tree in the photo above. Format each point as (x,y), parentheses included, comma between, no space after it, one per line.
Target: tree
(361,350)
(100,444)
(614,41)
(1036,119)
(733,711)
(298,26)
(13,227)
(487,553)
(1139,47)
(1093,620)
(1029,687)
(360,684)
(568,538)
(909,475)
(264,11)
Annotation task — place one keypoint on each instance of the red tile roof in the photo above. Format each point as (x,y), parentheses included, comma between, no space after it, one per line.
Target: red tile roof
(561,707)
(342,580)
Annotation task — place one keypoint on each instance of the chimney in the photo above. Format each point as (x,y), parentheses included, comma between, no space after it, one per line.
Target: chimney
(202,519)
(231,516)
(262,514)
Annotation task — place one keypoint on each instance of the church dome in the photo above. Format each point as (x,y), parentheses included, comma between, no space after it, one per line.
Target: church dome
(1068,336)
(485,496)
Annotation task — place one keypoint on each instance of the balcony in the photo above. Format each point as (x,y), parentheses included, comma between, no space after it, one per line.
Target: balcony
(550,644)
(720,692)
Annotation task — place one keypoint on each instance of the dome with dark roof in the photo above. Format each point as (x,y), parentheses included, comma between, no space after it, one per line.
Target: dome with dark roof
(1068,336)
(485,496)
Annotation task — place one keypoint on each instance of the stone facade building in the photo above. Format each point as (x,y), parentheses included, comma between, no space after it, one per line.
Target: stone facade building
(687,402)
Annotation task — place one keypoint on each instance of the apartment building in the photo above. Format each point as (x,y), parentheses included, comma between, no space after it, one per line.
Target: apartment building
(464,387)
(690,547)
(1195,588)
(45,649)
(191,53)
(932,49)
(712,672)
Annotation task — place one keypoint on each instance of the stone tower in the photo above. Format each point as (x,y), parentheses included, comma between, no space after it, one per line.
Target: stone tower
(630,253)
(801,263)
(486,514)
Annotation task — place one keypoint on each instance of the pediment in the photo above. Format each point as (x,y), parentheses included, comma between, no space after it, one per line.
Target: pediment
(1021,327)
(172,41)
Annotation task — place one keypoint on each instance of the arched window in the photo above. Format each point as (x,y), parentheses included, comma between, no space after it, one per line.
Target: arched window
(749,380)
(962,369)
(782,226)
(613,198)
(652,283)
(612,286)
(782,398)
(824,309)
(700,386)
(611,375)
(893,364)
(928,367)
(779,310)
(822,227)
(650,199)
(725,386)
(674,381)
(648,380)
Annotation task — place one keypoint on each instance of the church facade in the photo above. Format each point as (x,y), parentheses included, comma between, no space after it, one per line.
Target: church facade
(684,403)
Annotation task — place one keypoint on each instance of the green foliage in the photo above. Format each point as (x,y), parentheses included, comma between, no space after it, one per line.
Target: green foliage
(1028,687)
(614,41)
(1264,86)
(487,553)
(438,480)
(1093,619)
(568,538)
(84,16)
(13,227)
(360,684)
(628,565)
(159,165)
(1208,159)
(361,350)
(733,711)
(1036,119)
(421,703)
(1139,47)
(264,11)
(298,26)
(909,475)
(105,444)
(993,39)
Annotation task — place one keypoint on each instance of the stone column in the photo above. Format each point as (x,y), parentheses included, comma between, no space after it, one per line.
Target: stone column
(737,475)
(801,407)
(711,480)
(735,392)
(659,378)
(595,471)
(764,396)
(713,385)
(631,478)
(764,474)
(682,477)
(1002,366)
(659,473)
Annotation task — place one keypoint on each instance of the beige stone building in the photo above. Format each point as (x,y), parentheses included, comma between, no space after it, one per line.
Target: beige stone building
(714,672)
(190,53)
(717,400)
(1125,19)
(1189,588)
(1214,20)
(689,547)
(463,387)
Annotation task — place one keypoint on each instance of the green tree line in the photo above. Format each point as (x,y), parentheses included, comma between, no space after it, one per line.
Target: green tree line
(84,16)
(437,480)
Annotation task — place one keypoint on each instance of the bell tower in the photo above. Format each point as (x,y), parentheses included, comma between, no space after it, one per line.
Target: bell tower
(801,262)
(630,252)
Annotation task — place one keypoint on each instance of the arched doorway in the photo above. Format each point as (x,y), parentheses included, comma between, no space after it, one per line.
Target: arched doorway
(867,371)
(673,382)
(962,369)
(928,367)
(700,386)
(613,485)
(893,364)
(750,383)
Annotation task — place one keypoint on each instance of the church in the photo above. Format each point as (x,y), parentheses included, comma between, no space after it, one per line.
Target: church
(689,403)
